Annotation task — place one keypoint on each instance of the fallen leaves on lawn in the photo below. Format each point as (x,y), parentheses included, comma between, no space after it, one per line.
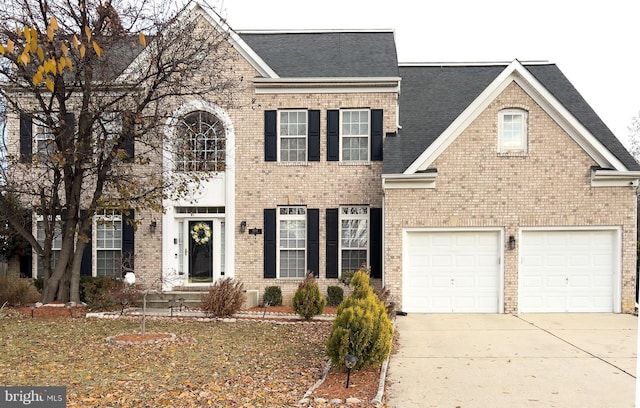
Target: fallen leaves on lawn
(243,364)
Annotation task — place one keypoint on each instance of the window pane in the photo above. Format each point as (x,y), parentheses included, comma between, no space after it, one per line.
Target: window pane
(355,135)
(352,260)
(200,143)
(108,263)
(293,136)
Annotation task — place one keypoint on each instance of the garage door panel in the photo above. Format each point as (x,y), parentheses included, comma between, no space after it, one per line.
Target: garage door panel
(463,273)
(567,271)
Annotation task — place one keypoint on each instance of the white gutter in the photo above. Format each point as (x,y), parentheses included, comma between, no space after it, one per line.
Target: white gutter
(614,178)
(407,181)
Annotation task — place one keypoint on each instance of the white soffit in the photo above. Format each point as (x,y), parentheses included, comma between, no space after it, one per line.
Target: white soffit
(516,72)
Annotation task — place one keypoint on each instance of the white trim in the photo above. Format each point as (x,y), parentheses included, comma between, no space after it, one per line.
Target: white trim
(613,178)
(294,217)
(402,181)
(517,73)
(169,217)
(325,85)
(617,278)
(360,217)
(192,11)
(501,253)
(341,136)
(524,115)
(280,137)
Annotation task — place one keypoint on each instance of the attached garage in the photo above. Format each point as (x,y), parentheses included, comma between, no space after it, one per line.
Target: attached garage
(569,271)
(452,271)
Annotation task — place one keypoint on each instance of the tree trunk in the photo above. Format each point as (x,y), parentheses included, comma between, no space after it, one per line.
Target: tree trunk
(75,271)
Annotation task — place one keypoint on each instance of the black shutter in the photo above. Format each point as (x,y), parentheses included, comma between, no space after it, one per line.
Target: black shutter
(376,134)
(86,266)
(270,135)
(375,245)
(128,238)
(313,241)
(314,136)
(270,243)
(332,243)
(26,138)
(333,135)
(26,258)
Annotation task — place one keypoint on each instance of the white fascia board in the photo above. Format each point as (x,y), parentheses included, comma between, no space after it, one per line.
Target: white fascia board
(409,181)
(326,85)
(193,11)
(516,72)
(614,178)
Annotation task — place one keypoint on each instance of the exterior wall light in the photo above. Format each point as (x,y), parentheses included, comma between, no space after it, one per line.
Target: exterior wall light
(512,242)
(243,227)
(152,227)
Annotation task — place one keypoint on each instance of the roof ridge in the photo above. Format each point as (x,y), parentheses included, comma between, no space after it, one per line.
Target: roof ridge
(313,31)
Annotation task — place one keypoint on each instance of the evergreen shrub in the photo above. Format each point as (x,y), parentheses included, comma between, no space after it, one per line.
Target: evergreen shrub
(335,295)
(308,301)
(272,296)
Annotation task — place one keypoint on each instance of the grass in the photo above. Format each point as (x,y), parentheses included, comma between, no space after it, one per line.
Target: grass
(212,363)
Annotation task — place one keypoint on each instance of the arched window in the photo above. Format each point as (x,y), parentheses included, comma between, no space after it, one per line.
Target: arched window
(200,143)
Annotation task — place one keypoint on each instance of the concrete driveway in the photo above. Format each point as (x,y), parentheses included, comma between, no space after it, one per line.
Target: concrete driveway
(529,360)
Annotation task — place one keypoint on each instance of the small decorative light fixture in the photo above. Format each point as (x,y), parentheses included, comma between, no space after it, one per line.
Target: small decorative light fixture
(69,306)
(32,306)
(124,302)
(512,242)
(152,227)
(130,278)
(243,227)
(350,361)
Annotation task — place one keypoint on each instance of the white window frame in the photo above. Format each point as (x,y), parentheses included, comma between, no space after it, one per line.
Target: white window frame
(520,145)
(105,220)
(44,139)
(291,214)
(112,123)
(216,161)
(357,213)
(56,245)
(282,136)
(346,135)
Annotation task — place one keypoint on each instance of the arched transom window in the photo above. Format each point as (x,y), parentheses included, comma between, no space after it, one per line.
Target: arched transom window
(200,143)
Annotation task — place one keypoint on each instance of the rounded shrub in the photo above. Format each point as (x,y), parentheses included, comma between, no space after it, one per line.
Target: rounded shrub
(308,301)
(335,295)
(224,298)
(272,296)
(361,327)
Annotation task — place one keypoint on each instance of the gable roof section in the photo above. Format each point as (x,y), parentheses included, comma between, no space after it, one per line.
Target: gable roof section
(438,102)
(326,54)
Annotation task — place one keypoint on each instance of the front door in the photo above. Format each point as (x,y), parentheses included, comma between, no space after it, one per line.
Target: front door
(201,244)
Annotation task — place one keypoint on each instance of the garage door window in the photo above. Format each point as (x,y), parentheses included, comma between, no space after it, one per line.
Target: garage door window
(354,238)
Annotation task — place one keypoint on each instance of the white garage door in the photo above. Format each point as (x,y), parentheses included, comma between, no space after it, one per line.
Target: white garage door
(567,271)
(451,272)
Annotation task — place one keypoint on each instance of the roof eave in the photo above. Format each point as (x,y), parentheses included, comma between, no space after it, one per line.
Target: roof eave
(327,84)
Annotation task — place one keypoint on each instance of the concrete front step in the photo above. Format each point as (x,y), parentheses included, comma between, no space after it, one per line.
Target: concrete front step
(190,299)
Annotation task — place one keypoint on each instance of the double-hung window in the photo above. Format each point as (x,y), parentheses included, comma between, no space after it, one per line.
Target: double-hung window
(292,135)
(44,138)
(354,238)
(292,242)
(512,131)
(108,240)
(354,134)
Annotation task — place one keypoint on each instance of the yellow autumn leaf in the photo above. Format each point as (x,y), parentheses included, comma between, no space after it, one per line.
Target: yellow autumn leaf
(10,45)
(34,33)
(1,49)
(27,34)
(40,54)
(65,49)
(24,59)
(83,51)
(37,78)
(97,49)
(53,23)
(87,31)
(142,39)
(49,84)
(50,33)
(74,42)
(18,31)
(61,65)
(69,64)
(33,45)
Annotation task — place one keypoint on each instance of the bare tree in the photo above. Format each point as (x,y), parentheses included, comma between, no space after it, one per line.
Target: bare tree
(97,81)
(634,137)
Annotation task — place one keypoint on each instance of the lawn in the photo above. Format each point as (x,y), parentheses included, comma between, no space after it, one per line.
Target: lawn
(241,364)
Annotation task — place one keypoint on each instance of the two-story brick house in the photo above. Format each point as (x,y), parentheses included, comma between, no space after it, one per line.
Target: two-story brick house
(465,188)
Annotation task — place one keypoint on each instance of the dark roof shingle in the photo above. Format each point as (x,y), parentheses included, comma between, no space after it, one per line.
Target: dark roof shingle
(326,54)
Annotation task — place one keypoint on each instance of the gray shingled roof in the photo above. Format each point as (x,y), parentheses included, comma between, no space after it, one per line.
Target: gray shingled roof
(433,97)
(326,54)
